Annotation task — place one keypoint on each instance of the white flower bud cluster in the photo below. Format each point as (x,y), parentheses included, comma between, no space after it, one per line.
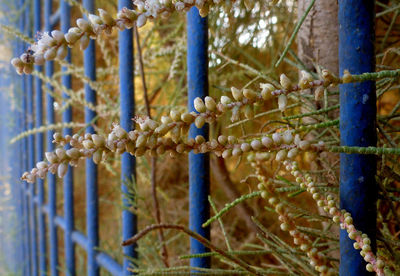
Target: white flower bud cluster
(339,216)
(55,44)
(317,259)
(151,138)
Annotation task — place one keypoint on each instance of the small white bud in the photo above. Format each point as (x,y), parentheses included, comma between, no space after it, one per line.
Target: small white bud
(266,141)
(141,20)
(277,138)
(282,102)
(95,20)
(293,153)
(58,35)
(61,154)
(287,137)
(97,156)
(175,115)
(227,153)
(41,165)
(62,52)
(17,62)
(200,121)
(237,94)
(249,94)
(285,82)
(83,24)
(28,69)
(73,153)
(267,88)
(84,42)
(51,157)
(106,17)
(232,140)
(62,170)
(71,37)
(245,147)
(281,155)
(141,141)
(166,120)
(222,139)
(88,144)
(50,54)
(199,105)
(210,103)
(39,59)
(256,145)
(237,151)
(200,139)
(98,140)
(162,130)
(225,100)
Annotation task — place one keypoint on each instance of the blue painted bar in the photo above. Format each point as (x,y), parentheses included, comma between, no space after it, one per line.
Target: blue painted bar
(92,205)
(18,167)
(68,187)
(109,264)
(199,164)
(127,107)
(51,178)
(24,152)
(15,166)
(358,189)
(81,239)
(37,26)
(55,18)
(59,222)
(31,152)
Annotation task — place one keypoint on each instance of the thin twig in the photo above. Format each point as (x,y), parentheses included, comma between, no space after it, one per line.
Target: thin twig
(164,251)
(196,236)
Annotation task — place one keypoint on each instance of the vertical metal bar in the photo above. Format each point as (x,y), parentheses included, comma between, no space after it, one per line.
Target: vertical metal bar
(127,107)
(37,6)
(199,166)
(357,127)
(51,178)
(24,152)
(15,164)
(31,150)
(68,187)
(92,205)
(18,162)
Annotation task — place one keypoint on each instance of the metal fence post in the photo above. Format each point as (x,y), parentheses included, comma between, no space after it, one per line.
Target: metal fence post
(51,178)
(68,187)
(24,153)
(199,166)
(92,205)
(127,108)
(357,127)
(29,115)
(37,11)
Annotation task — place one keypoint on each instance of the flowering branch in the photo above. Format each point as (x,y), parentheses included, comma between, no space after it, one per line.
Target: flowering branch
(55,44)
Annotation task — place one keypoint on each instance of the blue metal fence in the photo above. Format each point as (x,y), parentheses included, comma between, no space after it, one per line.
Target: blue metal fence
(35,236)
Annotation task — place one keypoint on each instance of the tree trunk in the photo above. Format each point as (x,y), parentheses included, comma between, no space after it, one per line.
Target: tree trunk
(318,37)
(318,46)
